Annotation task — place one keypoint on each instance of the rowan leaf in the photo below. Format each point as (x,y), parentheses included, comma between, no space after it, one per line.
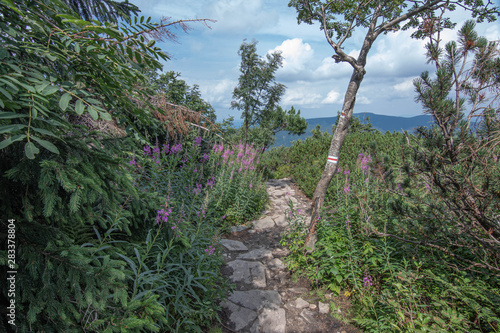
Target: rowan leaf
(46,144)
(30,150)
(64,101)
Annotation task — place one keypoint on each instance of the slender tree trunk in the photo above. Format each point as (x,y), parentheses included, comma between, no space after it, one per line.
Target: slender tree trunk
(337,141)
(245,124)
(333,155)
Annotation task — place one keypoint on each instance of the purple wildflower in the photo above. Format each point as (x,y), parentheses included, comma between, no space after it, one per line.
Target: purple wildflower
(204,158)
(198,188)
(368,281)
(347,189)
(162,215)
(251,185)
(346,172)
(147,150)
(347,224)
(197,141)
(210,250)
(165,149)
(176,149)
(211,182)
(132,162)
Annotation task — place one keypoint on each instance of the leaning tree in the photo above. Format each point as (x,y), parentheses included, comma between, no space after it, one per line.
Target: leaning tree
(339,20)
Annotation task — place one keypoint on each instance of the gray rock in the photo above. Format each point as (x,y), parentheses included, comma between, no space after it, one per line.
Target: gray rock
(307,315)
(249,272)
(233,245)
(238,228)
(323,307)
(276,264)
(264,223)
(280,220)
(239,316)
(256,299)
(270,321)
(300,303)
(257,254)
(277,252)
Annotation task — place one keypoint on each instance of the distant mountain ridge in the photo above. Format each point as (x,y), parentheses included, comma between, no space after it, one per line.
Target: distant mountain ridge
(379,122)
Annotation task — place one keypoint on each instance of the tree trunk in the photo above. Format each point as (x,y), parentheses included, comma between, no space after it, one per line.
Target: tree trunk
(245,124)
(333,156)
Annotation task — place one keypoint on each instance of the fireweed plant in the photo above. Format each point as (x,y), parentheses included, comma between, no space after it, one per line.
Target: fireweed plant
(200,184)
(239,191)
(394,286)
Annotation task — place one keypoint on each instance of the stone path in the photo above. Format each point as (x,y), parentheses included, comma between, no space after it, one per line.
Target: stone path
(265,298)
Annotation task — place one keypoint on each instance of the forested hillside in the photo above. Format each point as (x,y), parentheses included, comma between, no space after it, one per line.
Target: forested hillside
(378,122)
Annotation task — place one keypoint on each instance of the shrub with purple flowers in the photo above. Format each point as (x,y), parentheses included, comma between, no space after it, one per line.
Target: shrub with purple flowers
(239,190)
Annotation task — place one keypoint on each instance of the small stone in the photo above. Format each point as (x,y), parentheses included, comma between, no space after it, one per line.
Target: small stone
(238,228)
(251,231)
(257,254)
(264,223)
(312,306)
(280,252)
(280,220)
(276,264)
(324,307)
(307,315)
(300,303)
(233,245)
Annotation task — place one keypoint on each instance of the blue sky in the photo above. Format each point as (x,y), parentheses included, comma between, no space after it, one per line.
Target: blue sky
(315,84)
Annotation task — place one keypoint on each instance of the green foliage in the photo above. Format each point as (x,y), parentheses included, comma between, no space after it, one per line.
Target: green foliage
(307,172)
(275,163)
(44,75)
(102,10)
(89,253)
(177,91)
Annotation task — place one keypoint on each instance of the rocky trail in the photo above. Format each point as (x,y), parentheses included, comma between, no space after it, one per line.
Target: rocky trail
(266,299)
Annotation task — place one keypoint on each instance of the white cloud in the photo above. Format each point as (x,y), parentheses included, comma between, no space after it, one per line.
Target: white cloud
(297,57)
(300,96)
(362,100)
(397,55)
(219,92)
(332,97)
(329,69)
(405,86)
